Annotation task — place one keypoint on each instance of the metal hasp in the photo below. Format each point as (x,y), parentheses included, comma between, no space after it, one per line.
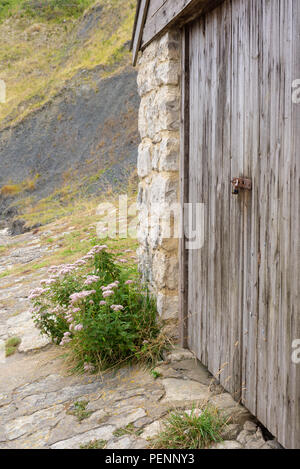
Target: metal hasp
(241,183)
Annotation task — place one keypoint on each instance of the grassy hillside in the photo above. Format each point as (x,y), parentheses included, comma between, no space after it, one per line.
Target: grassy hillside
(46,9)
(68,128)
(44,43)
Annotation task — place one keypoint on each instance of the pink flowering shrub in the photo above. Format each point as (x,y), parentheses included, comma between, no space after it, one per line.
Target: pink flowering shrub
(93,306)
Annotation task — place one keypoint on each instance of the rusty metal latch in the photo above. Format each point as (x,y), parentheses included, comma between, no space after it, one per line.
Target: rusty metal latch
(241,183)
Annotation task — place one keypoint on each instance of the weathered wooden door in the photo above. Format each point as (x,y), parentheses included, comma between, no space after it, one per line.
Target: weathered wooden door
(244,284)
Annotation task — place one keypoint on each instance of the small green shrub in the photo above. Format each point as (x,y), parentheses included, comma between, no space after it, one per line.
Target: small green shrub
(100,309)
(190,430)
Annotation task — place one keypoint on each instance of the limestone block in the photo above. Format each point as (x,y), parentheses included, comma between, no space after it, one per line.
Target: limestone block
(159,111)
(101,433)
(168,46)
(165,271)
(149,123)
(167,107)
(163,193)
(178,354)
(250,426)
(184,390)
(151,430)
(146,79)
(143,233)
(231,409)
(167,306)
(155,157)
(166,73)
(169,154)
(149,53)
(231,431)
(144,159)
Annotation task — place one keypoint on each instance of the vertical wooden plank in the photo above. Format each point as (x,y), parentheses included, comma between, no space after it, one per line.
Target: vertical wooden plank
(263,181)
(204,183)
(249,128)
(224,123)
(285,177)
(191,308)
(293,433)
(212,161)
(276,139)
(184,184)
(252,258)
(236,213)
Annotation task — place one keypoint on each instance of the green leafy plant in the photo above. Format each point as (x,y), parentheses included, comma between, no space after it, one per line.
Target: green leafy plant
(80,410)
(101,310)
(155,374)
(190,430)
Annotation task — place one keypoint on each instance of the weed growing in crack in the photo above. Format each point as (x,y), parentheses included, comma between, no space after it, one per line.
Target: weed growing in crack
(11,345)
(94,444)
(128,430)
(80,410)
(196,429)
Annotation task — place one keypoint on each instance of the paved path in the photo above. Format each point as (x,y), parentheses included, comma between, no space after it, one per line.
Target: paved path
(39,398)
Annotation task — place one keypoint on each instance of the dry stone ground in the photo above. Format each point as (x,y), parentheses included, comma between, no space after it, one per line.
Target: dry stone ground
(38,395)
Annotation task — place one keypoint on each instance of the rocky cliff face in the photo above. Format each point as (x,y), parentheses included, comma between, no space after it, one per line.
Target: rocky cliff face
(78,136)
(82,138)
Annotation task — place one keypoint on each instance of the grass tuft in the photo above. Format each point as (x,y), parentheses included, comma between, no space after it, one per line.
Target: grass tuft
(80,410)
(94,444)
(127,430)
(11,345)
(190,430)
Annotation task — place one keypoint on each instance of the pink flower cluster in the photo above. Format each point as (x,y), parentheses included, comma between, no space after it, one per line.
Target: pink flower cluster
(117,307)
(48,282)
(91,279)
(66,338)
(108,290)
(75,297)
(57,271)
(38,310)
(36,293)
(107,293)
(97,249)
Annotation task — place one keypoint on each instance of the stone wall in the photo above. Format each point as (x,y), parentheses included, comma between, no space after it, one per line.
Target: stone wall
(158,169)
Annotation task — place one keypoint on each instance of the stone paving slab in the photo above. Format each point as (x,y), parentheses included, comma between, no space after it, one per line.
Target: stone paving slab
(124,408)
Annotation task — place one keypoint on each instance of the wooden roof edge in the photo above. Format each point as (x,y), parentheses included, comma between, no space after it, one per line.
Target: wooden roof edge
(186,12)
(135,23)
(139,22)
